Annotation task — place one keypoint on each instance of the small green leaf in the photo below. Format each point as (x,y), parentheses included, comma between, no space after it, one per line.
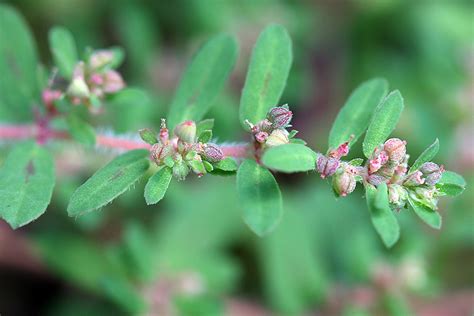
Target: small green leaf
(204,125)
(148,136)
(157,185)
(426,155)
(80,130)
(118,57)
(208,166)
(290,158)
(63,48)
(197,167)
(109,182)
(226,164)
(26,184)
(259,197)
(427,215)
(19,89)
(267,74)
(297,141)
(381,214)
(356,162)
(451,183)
(354,117)
(203,79)
(205,136)
(383,122)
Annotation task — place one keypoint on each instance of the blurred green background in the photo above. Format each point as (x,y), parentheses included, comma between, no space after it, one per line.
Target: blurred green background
(192,254)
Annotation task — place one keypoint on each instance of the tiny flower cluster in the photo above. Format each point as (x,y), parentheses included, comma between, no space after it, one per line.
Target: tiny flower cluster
(185,151)
(91,82)
(388,164)
(271,131)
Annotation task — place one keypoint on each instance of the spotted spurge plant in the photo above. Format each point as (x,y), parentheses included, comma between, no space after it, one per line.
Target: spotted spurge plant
(58,105)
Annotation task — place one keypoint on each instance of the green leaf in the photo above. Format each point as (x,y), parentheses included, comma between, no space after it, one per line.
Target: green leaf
(157,185)
(203,79)
(354,117)
(19,89)
(426,155)
(427,215)
(205,136)
(204,125)
(290,158)
(451,183)
(26,184)
(80,130)
(259,196)
(383,122)
(266,75)
(63,48)
(381,214)
(148,136)
(356,162)
(109,182)
(226,164)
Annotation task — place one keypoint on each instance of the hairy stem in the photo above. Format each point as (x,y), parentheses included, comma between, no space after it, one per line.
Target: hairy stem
(17,132)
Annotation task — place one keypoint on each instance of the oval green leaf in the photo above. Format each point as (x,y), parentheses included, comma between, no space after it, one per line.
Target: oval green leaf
(381,214)
(18,67)
(427,155)
(383,122)
(354,117)
(427,215)
(109,182)
(26,184)
(290,158)
(157,185)
(266,75)
(451,183)
(203,79)
(64,51)
(260,197)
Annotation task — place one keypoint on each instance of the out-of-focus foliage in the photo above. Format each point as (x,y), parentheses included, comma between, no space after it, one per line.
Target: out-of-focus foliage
(193,246)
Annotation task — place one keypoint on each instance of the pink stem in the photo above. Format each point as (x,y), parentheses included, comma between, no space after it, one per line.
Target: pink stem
(30,131)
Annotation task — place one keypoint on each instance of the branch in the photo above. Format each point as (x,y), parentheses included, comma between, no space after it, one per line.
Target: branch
(18,132)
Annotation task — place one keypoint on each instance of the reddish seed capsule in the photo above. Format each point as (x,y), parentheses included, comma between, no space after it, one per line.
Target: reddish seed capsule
(279,116)
(414,179)
(261,137)
(395,149)
(159,152)
(326,166)
(213,153)
(431,173)
(344,183)
(186,131)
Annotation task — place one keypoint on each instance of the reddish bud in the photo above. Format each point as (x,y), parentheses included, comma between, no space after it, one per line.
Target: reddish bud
(213,153)
(279,116)
(376,179)
(431,172)
(326,166)
(395,149)
(159,152)
(261,137)
(414,179)
(49,96)
(113,82)
(101,58)
(380,159)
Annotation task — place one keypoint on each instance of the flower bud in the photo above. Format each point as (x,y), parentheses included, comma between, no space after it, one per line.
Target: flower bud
(186,131)
(344,183)
(397,195)
(431,173)
(78,88)
(180,170)
(280,116)
(113,82)
(213,153)
(261,137)
(326,166)
(380,159)
(159,152)
(101,58)
(277,137)
(395,149)
(49,96)
(265,126)
(414,179)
